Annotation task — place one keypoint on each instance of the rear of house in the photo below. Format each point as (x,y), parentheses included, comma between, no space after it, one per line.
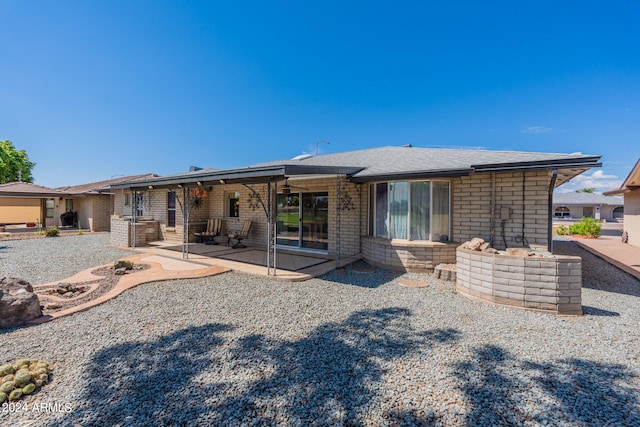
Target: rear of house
(403,208)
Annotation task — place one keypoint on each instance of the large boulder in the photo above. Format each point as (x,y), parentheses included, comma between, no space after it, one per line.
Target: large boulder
(18,302)
(13,284)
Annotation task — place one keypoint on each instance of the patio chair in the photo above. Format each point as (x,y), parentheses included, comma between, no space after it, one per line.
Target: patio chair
(214,227)
(238,236)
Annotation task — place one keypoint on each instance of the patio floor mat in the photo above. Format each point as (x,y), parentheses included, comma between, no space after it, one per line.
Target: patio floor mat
(285,261)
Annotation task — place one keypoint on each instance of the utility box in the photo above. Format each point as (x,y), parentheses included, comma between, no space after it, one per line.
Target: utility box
(505,214)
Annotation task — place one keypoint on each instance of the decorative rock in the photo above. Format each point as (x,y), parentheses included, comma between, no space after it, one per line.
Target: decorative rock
(53,306)
(491,251)
(64,288)
(473,244)
(484,246)
(120,271)
(517,252)
(127,265)
(18,303)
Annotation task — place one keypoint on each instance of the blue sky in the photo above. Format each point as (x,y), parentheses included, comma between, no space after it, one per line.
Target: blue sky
(97,89)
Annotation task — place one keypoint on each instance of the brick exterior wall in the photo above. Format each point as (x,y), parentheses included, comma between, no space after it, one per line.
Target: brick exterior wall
(145,231)
(403,255)
(470,216)
(552,284)
(471,208)
(120,232)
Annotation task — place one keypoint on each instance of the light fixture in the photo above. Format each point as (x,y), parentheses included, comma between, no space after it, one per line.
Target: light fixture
(286,188)
(199,183)
(150,187)
(222,181)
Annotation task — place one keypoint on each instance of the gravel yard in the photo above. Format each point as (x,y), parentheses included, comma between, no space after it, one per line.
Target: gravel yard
(346,349)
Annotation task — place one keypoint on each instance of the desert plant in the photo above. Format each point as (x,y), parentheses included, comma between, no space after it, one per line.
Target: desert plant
(562,230)
(22,378)
(586,227)
(52,231)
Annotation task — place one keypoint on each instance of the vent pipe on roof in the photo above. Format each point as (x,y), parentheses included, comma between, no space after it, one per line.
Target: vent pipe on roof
(194,168)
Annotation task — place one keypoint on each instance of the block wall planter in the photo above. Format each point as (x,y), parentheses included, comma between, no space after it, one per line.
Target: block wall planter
(550,283)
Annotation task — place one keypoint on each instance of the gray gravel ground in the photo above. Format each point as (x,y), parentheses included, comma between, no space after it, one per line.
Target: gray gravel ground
(347,349)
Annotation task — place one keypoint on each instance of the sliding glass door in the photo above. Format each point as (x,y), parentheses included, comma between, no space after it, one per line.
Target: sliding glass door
(303,220)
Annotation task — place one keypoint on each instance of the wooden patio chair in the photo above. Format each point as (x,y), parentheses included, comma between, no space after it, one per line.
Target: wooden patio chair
(238,236)
(214,227)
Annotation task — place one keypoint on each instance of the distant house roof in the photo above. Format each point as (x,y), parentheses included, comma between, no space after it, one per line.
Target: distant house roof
(585,199)
(25,189)
(102,187)
(632,182)
(387,163)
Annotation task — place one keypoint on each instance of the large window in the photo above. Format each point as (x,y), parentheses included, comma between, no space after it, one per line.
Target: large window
(171,209)
(416,210)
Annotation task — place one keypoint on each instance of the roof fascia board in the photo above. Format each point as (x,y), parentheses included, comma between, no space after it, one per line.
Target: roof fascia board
(32,195)
(413,175)
(591,162)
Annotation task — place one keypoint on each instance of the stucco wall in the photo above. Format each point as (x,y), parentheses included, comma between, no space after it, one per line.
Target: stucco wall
(632,216)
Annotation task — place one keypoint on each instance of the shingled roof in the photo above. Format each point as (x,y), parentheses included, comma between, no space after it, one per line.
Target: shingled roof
(25,189)
(102,187)
(406,161)
(392,163)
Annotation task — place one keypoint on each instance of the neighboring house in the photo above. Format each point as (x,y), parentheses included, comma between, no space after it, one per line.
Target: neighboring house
(400,207)
(592,205)
(22,202)
(87,206)
(93,203)
(630,190)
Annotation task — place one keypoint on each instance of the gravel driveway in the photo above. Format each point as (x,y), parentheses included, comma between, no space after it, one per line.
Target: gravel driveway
(347,349)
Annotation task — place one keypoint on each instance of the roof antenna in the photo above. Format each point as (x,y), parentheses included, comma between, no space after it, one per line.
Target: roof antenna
(407,145)
(318,142)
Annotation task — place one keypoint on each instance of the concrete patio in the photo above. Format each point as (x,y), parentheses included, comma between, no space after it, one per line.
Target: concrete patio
(291,266)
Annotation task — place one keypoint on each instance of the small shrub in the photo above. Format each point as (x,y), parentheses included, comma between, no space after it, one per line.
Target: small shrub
(562,230)
(80,233)
(586,227)
(52,231)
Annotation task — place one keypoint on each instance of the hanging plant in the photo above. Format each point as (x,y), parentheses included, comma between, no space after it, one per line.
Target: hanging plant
(198,195)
